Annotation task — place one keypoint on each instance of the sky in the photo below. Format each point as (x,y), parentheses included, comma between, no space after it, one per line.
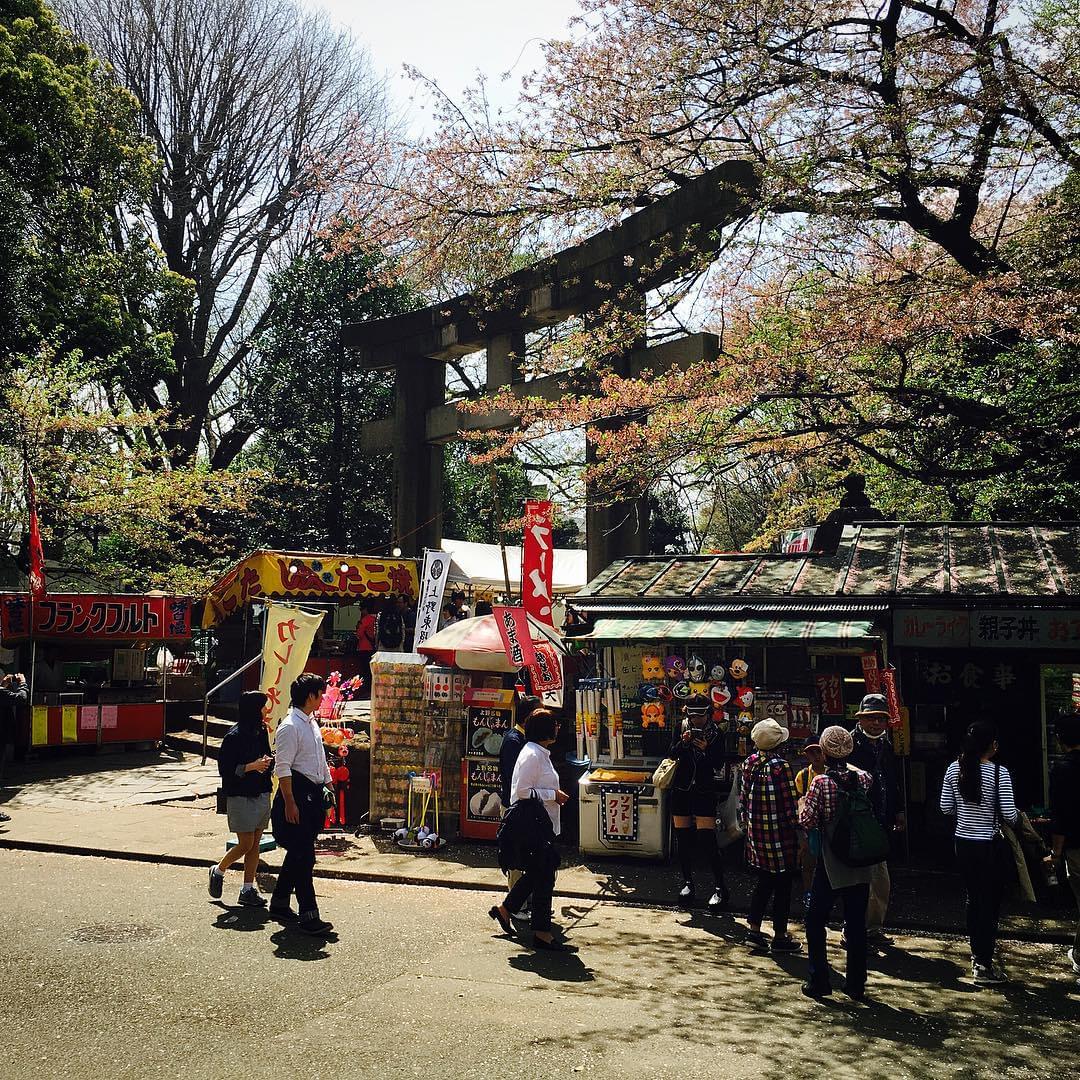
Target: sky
(450,40)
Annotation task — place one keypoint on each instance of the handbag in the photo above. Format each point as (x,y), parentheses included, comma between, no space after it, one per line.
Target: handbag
(1004,859)
(728,828)
(664,776)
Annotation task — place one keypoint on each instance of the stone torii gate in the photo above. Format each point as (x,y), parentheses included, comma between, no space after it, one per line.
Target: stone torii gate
(648,249)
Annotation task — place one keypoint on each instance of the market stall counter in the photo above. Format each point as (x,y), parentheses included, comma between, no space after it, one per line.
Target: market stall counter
(97,666)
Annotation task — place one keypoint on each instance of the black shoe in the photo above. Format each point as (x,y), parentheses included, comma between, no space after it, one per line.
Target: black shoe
(315,926)
(282,914)
(216,884)
(522,916)
(856,993)
(786,944)
(551,946)
(816,992)
(250,898)
(757,940)
(5,817)
(497,915)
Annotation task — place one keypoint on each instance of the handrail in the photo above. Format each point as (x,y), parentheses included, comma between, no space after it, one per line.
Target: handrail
(206,700)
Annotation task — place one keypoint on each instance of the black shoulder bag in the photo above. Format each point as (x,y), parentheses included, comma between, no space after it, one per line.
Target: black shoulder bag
(1004,860)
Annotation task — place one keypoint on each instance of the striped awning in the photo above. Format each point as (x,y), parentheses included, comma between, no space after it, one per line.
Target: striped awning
(793,628)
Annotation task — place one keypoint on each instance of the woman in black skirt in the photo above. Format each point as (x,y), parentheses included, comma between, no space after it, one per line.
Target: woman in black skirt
(697,747)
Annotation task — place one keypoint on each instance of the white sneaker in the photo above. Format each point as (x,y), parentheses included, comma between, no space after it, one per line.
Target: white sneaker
(1072,960)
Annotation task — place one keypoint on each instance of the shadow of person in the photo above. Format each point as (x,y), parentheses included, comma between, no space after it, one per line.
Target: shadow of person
(914,967)
(243,919)
(293,944)
(556,967)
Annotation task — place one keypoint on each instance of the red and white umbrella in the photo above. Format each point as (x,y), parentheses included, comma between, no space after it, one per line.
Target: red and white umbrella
(476,644)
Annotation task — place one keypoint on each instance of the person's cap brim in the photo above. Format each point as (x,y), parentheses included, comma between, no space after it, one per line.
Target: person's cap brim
(812,746)
(872,712)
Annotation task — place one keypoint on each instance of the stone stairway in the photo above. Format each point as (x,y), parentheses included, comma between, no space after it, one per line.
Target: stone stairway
(187,735)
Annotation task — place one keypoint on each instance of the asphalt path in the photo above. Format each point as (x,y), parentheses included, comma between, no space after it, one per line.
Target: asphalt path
(112,970)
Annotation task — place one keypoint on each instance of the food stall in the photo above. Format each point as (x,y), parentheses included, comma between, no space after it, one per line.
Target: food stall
(339,583)
(97,667)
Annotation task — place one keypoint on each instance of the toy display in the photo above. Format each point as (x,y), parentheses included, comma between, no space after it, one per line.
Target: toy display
(744,698)
(717,674)
(651,667)
(695,669)
(675,667)
(420,834)
(739,669)
(652,715)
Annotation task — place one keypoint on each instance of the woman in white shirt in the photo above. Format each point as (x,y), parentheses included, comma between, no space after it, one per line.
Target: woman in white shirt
(535,775)
(980,795)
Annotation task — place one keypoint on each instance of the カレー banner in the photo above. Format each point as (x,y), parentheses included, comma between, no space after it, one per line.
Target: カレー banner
(286,646)
(537,559)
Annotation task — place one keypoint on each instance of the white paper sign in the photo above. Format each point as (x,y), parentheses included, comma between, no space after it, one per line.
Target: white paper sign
(432,586)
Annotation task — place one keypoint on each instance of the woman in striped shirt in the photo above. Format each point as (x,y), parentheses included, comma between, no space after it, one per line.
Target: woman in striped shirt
(980,795)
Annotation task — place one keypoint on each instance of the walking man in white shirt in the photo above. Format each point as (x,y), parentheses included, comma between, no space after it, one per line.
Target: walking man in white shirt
(299,811)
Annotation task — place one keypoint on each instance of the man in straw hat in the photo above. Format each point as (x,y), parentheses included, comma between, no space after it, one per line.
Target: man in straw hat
(819,810)
(873,753)
(772,837)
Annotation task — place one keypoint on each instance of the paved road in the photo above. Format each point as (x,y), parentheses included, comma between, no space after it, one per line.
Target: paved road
(114,971)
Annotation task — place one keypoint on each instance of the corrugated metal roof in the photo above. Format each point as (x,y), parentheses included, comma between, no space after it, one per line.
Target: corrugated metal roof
(738,630)
(873,560)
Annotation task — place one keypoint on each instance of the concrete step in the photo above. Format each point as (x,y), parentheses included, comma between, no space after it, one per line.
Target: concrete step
(191,742)
(215,725)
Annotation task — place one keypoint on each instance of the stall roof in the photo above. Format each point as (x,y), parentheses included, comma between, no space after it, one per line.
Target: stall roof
(742,630)
(483,564)
(911,560)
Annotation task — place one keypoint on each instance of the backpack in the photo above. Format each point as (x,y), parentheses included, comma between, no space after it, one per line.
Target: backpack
(389,629)
(858,838)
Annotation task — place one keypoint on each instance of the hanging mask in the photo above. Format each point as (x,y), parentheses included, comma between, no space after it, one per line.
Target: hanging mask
(681,690)
(652,715)
(699,688)
(675,666)
(651,667)
(717,674)
(720,696)
(746,718)
(695,668)
(739,669)
(744,698)
(647,692)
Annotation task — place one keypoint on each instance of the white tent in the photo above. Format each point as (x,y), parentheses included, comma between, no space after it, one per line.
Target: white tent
(483,564)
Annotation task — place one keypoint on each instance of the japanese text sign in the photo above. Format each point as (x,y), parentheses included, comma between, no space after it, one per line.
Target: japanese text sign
(619,810)
(516,635)
(432,586)
(830,694)
(547,670)
(537,561)
(81,615)
(286,646)
(871,675)
(268,574)
(1015,628)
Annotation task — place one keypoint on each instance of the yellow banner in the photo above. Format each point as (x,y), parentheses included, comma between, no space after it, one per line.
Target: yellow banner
(286,646)
(274,574)
(39,726)
(69,723)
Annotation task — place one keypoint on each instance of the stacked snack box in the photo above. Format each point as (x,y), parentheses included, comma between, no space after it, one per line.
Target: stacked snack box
(408,734)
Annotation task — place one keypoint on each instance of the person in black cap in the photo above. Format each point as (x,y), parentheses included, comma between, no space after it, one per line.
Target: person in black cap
(873,754)
(697,748)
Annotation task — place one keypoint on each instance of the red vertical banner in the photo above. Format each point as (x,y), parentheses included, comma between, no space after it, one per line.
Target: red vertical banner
(537,558)
(871,672)
(513,624)
(830,694)
(892,696)
(37,553)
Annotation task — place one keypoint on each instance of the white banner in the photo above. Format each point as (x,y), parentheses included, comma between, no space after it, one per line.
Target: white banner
(432,586)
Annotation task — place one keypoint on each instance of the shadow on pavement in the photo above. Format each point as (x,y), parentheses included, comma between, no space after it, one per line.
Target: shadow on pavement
(244,919)
(556,967)
(291,943)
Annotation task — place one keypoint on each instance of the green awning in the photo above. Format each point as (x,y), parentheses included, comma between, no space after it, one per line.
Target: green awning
(740,630)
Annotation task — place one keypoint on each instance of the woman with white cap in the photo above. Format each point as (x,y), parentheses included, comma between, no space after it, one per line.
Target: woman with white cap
(772,836)
(820,810)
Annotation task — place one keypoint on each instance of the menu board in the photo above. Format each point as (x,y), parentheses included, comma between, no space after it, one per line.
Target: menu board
(481,799)
(484,730)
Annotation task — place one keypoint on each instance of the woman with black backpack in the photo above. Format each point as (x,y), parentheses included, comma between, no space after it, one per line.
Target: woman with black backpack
(980,796)
(827,807)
